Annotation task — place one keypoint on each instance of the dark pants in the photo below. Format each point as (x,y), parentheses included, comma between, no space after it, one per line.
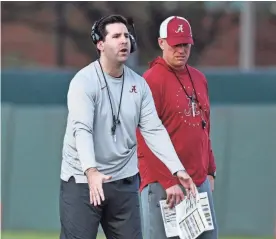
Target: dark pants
(119,214)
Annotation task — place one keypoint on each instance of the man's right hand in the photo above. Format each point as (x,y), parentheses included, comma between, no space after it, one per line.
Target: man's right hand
(186,182)
(95,181)
(174,195)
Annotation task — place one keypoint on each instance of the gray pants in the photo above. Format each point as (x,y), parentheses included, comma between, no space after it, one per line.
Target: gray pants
(119,214)
(153,226)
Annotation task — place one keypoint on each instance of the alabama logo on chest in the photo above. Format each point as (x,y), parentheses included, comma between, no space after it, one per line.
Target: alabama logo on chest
(190,109)
(193,109)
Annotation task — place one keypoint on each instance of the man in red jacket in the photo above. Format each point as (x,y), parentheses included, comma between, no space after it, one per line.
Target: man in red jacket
(181,98)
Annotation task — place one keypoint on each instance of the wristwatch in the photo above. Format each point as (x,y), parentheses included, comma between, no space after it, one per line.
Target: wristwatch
(213,174)
(175,174)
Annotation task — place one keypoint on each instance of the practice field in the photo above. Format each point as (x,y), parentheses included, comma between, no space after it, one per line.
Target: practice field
(26,235)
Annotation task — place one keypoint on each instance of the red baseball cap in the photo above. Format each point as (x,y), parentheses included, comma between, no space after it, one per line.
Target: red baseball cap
(176,30)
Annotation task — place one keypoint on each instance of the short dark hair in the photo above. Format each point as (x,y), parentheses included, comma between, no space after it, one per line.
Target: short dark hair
(109,20)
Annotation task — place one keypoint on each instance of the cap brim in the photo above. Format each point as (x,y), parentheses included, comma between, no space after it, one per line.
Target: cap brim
(180,40)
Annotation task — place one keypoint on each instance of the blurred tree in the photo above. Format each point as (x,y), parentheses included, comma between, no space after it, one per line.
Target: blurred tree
(73,20)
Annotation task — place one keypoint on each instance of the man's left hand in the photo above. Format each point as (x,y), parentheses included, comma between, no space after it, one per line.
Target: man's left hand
(212,182)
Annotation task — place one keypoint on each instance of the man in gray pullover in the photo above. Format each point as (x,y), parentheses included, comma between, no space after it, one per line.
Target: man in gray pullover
(107,101)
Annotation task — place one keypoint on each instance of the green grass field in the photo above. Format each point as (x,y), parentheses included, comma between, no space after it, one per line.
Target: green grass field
(26,235)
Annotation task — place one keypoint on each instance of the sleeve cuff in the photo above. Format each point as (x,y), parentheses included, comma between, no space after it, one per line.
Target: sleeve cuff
(86,166)
(214,174)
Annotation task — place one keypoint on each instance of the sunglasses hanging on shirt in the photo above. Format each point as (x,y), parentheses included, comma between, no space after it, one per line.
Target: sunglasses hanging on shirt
(193,98)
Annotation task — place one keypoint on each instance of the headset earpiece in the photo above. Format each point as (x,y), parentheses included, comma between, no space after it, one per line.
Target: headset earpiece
(94,35)
(133,44)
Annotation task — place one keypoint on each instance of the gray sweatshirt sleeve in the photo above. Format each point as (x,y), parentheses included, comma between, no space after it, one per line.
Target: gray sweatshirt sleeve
(155,134)
(81,107)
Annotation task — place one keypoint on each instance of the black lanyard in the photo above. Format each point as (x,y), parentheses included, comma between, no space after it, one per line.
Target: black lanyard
(193,97)
(115,120)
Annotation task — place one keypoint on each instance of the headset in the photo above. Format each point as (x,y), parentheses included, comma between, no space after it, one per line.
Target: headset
(96,36)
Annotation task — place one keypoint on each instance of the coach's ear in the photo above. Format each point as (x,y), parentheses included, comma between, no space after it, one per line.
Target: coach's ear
(161,43)
(100,45)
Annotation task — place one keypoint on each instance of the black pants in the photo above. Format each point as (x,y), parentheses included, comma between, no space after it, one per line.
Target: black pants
(119,214)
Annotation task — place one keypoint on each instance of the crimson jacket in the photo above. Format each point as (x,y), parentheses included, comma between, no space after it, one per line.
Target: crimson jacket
(191,142)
